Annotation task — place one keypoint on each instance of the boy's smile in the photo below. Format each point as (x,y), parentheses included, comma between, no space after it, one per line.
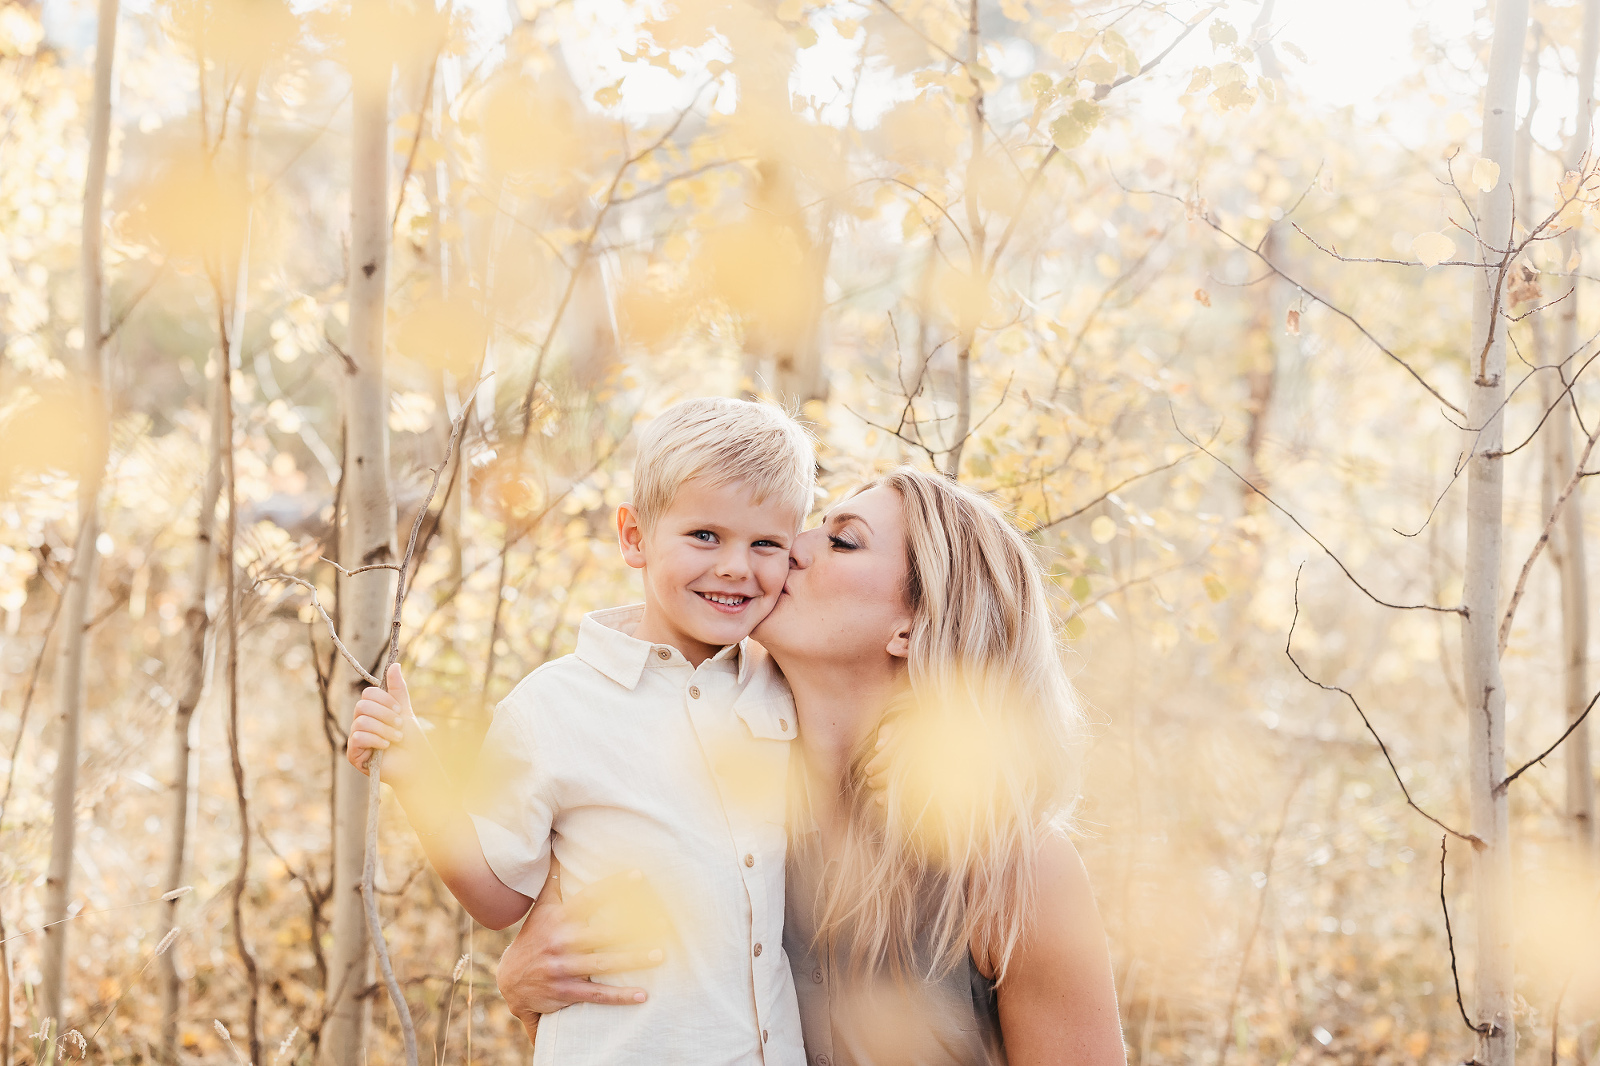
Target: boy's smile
(714,564)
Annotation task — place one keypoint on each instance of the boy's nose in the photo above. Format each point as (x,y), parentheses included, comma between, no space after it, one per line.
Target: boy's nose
(733,564)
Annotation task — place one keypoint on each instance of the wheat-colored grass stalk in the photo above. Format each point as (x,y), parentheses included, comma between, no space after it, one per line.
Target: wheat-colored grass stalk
(227,1038)
(449,1004)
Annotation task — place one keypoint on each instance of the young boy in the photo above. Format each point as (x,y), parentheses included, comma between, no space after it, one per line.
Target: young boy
(653,757)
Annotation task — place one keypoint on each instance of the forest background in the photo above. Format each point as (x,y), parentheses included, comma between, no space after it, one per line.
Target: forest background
(1249,312)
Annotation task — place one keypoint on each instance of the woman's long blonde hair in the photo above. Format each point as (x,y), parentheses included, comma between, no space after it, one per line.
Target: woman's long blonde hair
(982,745)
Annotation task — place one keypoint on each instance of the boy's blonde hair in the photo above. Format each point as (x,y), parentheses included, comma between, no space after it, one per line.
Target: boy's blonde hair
(722,441)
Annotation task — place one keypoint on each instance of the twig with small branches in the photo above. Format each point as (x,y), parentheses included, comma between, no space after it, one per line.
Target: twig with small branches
(1124,483)
(1450,940)
(1300,526)
(1310,294)
(375,761)
(1544,538)
(1539,758)
(1288,649)
(1261,909)
(607,202)
(27,704)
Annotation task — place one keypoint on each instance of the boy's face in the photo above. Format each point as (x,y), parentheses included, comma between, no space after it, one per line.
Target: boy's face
(714,564)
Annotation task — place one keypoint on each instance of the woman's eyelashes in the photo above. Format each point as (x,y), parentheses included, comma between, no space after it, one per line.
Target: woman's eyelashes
(843,544)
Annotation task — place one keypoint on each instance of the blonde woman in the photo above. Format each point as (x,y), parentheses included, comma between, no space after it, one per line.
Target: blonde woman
(937,913)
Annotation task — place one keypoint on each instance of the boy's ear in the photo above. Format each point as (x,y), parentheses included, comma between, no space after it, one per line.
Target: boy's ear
(630,537)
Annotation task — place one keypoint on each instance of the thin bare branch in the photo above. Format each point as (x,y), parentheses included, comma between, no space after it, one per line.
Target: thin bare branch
(333,634)
(1119,486)
(359,569)
(1102,91)
(1450,939)
(1317,540)
(27,704)
(1539,758)
(1288,649)
(1309,293)
(1544,538)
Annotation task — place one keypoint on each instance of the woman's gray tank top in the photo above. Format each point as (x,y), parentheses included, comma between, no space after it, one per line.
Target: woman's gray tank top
(878,1020)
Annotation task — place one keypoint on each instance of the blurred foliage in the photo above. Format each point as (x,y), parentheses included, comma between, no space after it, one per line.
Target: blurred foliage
(645,202)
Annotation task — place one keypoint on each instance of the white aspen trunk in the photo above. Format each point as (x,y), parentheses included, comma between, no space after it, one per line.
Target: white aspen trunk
(1568,542)
(368,536)
(799,371)
(196,625)
(1485,690)
(975,239)
(85,559)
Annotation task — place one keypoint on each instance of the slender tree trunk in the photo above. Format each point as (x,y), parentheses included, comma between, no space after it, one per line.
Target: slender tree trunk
(196,625)
(368,537)
(85,559)
(5,992)
(1485,690)
(1569,554)
(231,336)
(975,244)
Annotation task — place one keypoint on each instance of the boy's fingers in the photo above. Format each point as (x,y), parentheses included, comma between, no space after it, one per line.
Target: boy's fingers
(379,698)
(381,712)
(367,723)
(876,765)
(364,739)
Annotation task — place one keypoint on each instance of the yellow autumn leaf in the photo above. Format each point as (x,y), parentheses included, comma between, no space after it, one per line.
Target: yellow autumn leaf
(965,298)
(1486,174)
(1432,248)
(757,269)
(448,334)
(190,206)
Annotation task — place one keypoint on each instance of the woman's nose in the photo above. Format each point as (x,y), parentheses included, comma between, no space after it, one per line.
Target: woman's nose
(805,546)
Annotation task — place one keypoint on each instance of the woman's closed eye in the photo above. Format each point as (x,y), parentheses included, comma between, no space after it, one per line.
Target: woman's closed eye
(843,544)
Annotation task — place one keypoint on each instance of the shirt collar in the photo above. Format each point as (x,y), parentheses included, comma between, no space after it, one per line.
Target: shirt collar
(606,642)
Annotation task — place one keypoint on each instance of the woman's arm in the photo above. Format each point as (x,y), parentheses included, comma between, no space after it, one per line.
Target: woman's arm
(549,964)
(1058,1003)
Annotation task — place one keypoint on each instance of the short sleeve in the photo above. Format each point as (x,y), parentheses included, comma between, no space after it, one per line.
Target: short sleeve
(510,803)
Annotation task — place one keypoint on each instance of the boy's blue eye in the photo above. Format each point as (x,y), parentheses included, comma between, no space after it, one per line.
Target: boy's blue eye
(768,544)
(704,535)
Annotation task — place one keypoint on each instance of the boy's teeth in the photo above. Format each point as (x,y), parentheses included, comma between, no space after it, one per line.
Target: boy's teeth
(730,600)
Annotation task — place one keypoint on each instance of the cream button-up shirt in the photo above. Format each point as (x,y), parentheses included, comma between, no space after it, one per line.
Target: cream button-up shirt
(623,757)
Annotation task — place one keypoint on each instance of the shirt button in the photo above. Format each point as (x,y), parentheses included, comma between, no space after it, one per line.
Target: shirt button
(758,950)
(694,692)
(816,975)
(749,860)
(663,653)
(783,724)
(763,1036)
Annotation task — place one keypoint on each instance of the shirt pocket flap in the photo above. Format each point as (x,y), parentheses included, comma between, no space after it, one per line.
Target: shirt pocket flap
(768,718)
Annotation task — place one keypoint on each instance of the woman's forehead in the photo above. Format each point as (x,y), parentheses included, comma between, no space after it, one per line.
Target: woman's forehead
(871,501)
